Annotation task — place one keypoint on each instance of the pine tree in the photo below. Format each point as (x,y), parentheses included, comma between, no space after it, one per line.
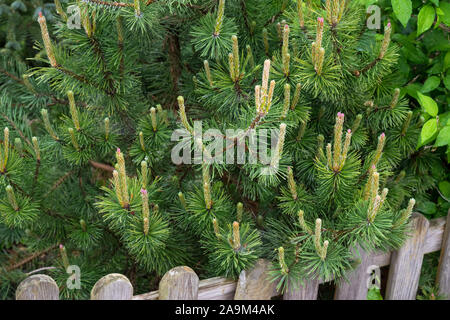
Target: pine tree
(85,159)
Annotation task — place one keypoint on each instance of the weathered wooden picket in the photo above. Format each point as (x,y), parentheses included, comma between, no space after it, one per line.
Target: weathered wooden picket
(181,283)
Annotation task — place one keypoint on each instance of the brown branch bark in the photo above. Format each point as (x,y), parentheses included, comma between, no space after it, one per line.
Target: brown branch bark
(17,129)
(58,183)
(101,166)
(30,258)
(11,76)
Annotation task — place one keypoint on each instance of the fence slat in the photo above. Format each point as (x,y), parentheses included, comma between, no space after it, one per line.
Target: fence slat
(406,263)
(254,284)
(179,283)
(217,288)
(38,287)
(114,286)
(356,287)
(307,291)
(443,273)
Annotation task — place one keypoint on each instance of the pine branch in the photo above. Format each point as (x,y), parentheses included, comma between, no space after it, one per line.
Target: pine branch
(17,129)
(101,166)
(35,178)
(357,73)
(30,258)
(40,269)
(107,74)
(11,76)
(58,183)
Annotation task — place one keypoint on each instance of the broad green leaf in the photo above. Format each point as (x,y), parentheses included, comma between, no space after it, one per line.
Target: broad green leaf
(447,60)
(369,2)
(428,104)
(428,132)
(430,84)
(436,40)
(445,6)
(435,69)
(412,90)
(374,294)
(443,137)
(426,207)
(425,19)
(436,2)
(448,153)
(444,118)
(402,10)
(447,81)
(438,19)
(444,187)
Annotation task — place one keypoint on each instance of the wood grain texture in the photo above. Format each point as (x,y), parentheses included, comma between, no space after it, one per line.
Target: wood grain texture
(152,295)
(254,284)
(179,283)
(38,287)
(307,291)
(443,272)
(406,263)
(114,286)
(356,286)
(433,240)
(217,288)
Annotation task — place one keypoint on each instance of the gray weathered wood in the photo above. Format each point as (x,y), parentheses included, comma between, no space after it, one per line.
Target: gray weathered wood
(179,283)
(443,272)
(114,286)
(152,295)
(404,272)
(224,289)
(433,240)
(356,287)
(307,291)
(254,284)
(217,288)
(38,287)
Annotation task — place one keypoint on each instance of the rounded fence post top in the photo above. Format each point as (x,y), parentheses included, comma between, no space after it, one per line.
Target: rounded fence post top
(179,270)
(38,287)
(254,284)
(113,286)
(179,283)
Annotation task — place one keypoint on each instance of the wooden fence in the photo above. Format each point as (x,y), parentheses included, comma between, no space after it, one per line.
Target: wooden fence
(181,283)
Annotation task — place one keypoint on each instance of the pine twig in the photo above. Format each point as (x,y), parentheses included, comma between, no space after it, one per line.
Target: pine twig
(17,129)
(30,258)
(58,183)
(39,270)
(36,174)
(10,75)
(101,166)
